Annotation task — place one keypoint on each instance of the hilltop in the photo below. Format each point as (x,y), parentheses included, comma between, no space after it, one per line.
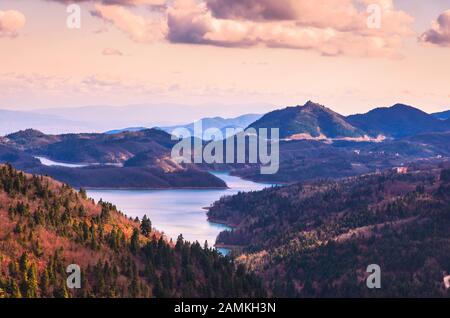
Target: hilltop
(311,120)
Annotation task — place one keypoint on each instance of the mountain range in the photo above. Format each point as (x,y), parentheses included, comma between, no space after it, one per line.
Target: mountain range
(98,118)
(12,121)
(315,121)
(316,143)
(240,122)
(356,190)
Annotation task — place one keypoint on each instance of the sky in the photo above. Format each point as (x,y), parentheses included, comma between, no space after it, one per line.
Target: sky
(228,52)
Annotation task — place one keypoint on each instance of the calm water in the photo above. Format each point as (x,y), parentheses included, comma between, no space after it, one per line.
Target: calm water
(177,211)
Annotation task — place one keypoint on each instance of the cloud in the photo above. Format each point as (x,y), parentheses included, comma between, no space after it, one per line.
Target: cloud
(331,27)
(137,27)
(11,22)
(439,33)
(111,52)
(155,3)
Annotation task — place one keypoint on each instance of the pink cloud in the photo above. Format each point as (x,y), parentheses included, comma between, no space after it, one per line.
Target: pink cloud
(137,27)
(330,27)
(439,33)
(11,22)
(156,3)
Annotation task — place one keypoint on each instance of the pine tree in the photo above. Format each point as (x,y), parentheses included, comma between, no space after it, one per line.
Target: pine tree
(44,283)
(14,289)
(83,193)
(32,283)
(134,245)
(146,226)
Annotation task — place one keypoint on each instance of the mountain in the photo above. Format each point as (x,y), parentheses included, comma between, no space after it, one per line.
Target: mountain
(220,123)
(18,158)
(106,117)
(316,239)
(302,160)
(442,115)
(309,121)
(92,148)
(397,121)
(45,226)
(145,155)
(119,131)
(11,121)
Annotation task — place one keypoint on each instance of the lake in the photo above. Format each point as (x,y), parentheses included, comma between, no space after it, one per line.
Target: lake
(177,211)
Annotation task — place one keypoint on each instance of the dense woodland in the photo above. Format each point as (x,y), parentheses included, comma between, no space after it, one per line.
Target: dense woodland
(316,239)
(46,226)
(313,239)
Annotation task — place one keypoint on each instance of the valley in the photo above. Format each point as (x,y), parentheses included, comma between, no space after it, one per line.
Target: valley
(348,190)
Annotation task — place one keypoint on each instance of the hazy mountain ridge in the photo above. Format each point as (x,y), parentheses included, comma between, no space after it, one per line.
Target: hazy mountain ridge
(220,123)
(240,122)
(12,121)
(316,143)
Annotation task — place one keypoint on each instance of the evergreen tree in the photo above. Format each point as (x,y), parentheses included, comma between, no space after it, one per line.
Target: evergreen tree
(146,226)
(45,283)
(134,245)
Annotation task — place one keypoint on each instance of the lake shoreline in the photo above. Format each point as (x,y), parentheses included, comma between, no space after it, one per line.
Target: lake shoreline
(153,189)
(178,211)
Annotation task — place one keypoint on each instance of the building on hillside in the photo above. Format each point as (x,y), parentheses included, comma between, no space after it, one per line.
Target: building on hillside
(401,170)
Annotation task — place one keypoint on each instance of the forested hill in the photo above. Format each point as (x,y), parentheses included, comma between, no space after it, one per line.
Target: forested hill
(317,239)
(46,226)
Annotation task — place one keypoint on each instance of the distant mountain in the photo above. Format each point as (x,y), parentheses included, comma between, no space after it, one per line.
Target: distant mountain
(18,158)
(219,123)
(105,118)
(309,121)
(11,121)
(119,131)
(397,121)
(145,154)
(92,148)
(442,115)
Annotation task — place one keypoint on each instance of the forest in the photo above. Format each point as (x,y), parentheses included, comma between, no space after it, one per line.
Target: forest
(47,225)
(316,239)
